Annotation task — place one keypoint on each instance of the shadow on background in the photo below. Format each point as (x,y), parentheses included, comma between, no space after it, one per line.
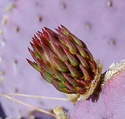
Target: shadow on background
(2,114)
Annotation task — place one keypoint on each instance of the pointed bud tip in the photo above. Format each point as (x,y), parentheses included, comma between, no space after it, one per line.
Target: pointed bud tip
(57,29)
(28,60)
(47,29)
(29,49)
(62,26)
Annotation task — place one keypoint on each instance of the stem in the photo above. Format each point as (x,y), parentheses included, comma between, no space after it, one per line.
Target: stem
(35,96)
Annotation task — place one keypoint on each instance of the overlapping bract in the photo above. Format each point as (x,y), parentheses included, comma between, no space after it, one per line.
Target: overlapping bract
(63,60)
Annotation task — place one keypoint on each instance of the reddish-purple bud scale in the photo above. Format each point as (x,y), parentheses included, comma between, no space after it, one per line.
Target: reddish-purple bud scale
(71,88)
(73,70)
(59,51)
(72,58)
(59,75)
(82,61)
(45,66)
(72,81)
(32,54)
(59,64)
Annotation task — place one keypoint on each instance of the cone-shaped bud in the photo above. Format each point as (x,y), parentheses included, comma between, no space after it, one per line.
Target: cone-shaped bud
(63,60)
